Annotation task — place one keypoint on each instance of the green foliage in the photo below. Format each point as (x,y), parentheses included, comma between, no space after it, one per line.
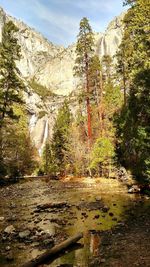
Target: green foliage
(84,48)
(102,154)
(18,153)
(48,160)
(56,154)
(41,90)
(95,72)
(41,114)
(10,83)
(113,99)
(133,125)
(107,68)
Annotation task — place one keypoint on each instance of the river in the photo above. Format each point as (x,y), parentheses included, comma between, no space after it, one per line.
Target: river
(93,206)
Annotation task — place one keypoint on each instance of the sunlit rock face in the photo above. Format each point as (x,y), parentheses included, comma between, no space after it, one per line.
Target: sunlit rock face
(109,41)
(57,74)
(52,66)
(2,21)
(35,49)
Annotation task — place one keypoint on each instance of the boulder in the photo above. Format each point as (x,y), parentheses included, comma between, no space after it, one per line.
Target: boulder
(24,234)
(10,229)
(134,189)
(2,219)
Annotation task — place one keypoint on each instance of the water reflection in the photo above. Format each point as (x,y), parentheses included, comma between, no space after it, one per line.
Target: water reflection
(78,218)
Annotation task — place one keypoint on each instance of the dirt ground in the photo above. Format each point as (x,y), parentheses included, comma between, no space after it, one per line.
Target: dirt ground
(128,244)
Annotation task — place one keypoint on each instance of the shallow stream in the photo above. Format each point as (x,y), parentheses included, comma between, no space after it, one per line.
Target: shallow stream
(94,205)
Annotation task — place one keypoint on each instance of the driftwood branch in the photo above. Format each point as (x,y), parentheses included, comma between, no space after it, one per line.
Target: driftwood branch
(53,251)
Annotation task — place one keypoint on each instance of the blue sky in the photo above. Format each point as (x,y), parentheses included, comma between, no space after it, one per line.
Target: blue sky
(58,20)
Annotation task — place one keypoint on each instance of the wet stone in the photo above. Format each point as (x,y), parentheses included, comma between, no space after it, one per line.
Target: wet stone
(10,257)
(13,205)
(9,229)
(97,216)
(24,234)
(7,248)
(114,219)
(12,218)
(105,208)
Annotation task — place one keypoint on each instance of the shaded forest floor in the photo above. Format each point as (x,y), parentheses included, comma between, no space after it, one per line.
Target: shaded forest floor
(128,244)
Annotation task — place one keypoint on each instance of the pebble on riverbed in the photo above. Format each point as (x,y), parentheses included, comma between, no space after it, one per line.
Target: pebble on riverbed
(24,234)
(10,229)
(105,208)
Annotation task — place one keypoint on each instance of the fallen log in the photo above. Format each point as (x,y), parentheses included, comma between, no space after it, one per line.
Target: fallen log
(53,251)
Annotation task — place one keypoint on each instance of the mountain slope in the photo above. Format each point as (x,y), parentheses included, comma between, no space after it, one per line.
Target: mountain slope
(52,66)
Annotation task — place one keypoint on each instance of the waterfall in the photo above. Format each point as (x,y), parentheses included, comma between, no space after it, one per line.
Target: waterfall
(45,136)
(32,123)
(103,46)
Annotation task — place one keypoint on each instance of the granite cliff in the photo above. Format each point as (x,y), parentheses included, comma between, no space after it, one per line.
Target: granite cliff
(51,66)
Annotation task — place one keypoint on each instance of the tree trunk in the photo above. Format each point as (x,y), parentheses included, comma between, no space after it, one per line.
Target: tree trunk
(124,86)
(89,121)
(101,104)
(52,252)
(89,127)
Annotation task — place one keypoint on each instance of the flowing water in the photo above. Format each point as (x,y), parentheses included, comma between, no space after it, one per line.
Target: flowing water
(18,203)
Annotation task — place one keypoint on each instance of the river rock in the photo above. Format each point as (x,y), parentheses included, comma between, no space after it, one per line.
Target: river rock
(12,205)
(48,242)
(105,208)
(98,198)
(2,219)
(96,216)
(111,214)
(10,257)
(9,229)
(134,189)
(24,234)
(7,248)
(122,174)
(12,218)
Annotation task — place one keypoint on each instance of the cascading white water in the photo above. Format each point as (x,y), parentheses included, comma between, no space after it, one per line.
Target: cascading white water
(103,52)
(45,137)
(32,122)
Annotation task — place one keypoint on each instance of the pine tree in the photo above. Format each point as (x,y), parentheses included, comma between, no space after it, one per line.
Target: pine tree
(107,68)
(101,156)
(10,83)
(133,125)
(84,53)
(95,79)
(60,138)
(48,160)
(19,154)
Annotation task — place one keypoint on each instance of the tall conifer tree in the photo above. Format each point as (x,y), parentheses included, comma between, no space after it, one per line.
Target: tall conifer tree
(84,53)
(10,83)
(134,129)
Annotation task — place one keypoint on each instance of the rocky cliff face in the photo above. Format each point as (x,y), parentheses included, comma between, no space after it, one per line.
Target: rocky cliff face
(52,66)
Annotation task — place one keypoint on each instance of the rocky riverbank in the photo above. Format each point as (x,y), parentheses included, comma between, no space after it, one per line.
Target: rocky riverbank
(38,214)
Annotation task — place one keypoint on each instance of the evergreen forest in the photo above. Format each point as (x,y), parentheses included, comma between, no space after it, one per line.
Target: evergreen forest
(111,126)
(75,167)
